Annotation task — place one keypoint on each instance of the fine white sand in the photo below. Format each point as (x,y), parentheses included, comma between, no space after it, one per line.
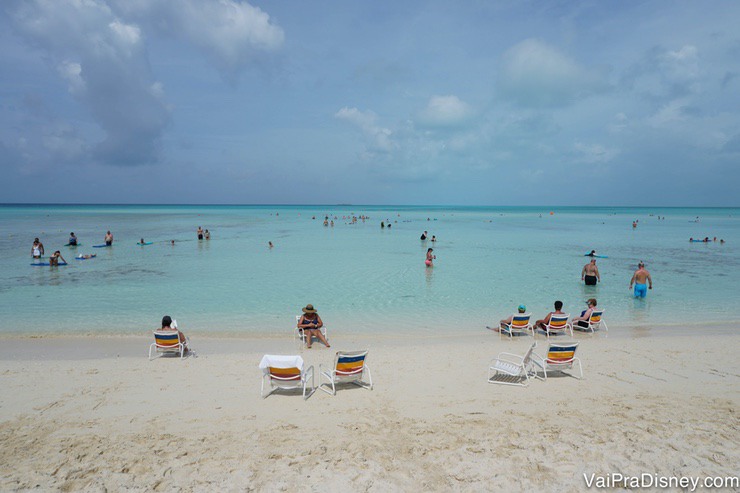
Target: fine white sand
(93,414)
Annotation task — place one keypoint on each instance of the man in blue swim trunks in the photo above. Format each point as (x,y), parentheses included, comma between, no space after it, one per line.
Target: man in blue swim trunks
(640,279)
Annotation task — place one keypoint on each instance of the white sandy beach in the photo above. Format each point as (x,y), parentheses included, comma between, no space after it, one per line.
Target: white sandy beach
(92,414)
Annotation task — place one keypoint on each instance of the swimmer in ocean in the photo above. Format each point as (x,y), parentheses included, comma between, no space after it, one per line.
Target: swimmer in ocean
(430,258)
(72,240)
(200,233)
(108,238)
(640,279)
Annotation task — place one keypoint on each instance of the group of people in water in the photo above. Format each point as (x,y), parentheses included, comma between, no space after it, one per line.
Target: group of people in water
(202,235)
(641,279)
(37,251)
(707,240)
(37,248)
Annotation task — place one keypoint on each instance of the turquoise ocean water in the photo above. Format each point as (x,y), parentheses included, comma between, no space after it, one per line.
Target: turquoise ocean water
(359,276)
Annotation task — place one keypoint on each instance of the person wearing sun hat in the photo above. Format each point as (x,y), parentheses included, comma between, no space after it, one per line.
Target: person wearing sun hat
(582,320)
(311,325)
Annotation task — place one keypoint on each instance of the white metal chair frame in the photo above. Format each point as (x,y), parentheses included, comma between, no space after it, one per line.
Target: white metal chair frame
(289,383)
(174,348)
(550,330)
(300,336)
(592,326)
(548,364)
(335,376)
(527,329)
(516,369)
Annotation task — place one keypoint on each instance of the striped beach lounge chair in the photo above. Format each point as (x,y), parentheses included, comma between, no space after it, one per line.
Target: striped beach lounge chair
(594,322)
(519,325)
(558,325)
(511,369)
(168,341)
(349,367)
(560,356)
(285,373)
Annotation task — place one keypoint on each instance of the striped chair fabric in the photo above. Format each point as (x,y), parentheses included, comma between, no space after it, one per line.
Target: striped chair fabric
(349,367)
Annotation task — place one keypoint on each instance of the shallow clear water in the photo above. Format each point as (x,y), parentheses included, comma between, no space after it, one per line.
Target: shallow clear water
(360,277)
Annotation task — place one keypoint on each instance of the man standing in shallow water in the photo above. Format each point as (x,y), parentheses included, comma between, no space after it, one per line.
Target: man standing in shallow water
(639,279)
(590,273)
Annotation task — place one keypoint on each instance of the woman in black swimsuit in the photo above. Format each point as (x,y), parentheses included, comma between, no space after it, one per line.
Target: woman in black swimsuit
(311,325)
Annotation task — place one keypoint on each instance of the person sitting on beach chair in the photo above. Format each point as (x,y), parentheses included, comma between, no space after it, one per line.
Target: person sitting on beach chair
(542,324)
(310,323)
(519,323)
(167,325)
(506,323)
(582,320)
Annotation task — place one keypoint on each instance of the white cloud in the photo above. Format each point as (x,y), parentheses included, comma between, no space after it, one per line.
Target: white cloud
(378,138)
(594,153)
(666,74)
(230,33)
(105,65)
(671,112)
(535,74)
(127,34)
(444,111)
(72,73)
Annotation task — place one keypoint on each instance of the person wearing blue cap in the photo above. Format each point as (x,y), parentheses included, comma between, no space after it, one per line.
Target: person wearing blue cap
(504,324)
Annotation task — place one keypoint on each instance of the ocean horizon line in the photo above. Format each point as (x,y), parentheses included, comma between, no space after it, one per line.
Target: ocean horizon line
(431,206)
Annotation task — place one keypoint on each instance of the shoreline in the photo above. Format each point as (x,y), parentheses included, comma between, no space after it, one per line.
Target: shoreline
(698,329)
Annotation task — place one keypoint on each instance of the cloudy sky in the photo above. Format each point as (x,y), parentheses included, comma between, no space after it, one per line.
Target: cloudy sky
(348,101)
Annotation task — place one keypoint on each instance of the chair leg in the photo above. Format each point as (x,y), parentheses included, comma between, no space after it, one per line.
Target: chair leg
(580,368)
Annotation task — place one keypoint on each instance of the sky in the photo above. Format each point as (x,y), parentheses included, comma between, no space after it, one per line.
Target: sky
(349,101)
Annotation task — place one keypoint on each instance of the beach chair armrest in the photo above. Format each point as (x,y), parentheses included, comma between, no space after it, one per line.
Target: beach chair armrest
(509,358)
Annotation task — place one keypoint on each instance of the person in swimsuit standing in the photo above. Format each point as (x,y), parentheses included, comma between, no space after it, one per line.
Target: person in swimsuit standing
(590,273)
(311,325)
(430,258)
(108,238)
(640,279)
(200,233)
(37,249)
